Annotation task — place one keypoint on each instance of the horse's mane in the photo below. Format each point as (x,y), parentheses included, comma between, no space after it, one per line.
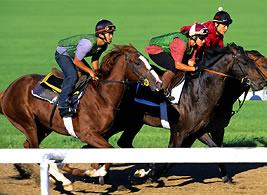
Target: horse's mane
(110,59)
(255,53)
(211,56)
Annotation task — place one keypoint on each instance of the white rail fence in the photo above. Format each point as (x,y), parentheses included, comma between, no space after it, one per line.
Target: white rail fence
(137,155)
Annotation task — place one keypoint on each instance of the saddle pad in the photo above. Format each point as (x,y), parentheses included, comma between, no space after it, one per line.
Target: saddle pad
(52,82)
(176,92)
(44,93)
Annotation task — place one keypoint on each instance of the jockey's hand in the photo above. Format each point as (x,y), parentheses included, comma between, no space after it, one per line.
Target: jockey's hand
(93,75)
(199,68)
(191,62)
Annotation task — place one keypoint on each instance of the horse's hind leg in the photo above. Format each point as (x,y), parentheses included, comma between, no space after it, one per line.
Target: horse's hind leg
(28,128)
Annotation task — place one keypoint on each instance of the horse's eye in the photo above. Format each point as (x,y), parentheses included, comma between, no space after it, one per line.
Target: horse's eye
(138,63)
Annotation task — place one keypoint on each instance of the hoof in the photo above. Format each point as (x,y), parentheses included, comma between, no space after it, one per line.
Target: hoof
(226,179)
(141,173)
(68,187)
(52,180)
(96,172)
(90,172)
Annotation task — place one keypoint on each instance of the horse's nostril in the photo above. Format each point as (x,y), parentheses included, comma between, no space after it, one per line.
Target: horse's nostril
(158,83)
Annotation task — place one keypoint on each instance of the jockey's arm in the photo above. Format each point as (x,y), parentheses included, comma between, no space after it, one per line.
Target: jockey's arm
(184,67)
(95,64)
(83,67)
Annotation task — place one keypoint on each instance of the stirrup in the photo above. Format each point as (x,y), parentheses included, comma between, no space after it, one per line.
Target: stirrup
(67,112)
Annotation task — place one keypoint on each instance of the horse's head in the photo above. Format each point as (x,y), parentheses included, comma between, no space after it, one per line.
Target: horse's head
(260,61)
(138,67)
(245,68)
(132,64)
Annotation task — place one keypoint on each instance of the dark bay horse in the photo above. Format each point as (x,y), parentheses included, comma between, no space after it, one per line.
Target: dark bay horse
(124,64)
(218,120)
(238,64)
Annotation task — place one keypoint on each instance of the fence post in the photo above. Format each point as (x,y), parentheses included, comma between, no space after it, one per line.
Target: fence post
(44,178)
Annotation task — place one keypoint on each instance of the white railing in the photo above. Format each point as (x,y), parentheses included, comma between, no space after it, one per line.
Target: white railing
(137,155)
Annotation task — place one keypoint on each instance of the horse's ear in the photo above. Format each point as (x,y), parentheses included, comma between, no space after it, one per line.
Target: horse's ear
(235,49)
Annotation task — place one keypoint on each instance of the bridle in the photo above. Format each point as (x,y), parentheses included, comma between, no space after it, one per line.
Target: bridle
(245,80)
(142,79)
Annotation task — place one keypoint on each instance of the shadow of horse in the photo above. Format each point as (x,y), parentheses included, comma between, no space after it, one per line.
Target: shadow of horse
(183,175)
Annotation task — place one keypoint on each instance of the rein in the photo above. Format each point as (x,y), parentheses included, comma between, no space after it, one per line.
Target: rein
(243,80)
(142,79)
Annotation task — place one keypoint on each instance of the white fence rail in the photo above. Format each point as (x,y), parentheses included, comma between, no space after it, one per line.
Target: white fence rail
(137,155)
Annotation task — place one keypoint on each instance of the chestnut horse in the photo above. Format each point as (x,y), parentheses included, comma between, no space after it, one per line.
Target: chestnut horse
(124,64)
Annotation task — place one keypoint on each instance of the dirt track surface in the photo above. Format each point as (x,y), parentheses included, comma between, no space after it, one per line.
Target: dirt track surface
(193,179)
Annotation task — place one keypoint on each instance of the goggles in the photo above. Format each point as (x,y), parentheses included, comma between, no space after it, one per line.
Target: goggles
(109,28)
(203,31)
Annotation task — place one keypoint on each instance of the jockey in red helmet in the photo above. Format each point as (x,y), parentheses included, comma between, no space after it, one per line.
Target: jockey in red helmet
(176,51)
(217,28)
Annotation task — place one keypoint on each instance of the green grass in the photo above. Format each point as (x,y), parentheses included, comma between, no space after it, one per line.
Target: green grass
(30,30)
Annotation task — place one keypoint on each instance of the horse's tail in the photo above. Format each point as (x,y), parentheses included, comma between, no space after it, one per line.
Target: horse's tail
(1,98)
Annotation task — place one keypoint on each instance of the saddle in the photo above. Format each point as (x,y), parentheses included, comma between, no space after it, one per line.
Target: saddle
(49,86)
(145,96)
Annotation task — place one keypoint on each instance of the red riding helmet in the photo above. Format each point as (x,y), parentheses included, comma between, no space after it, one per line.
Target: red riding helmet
(198,29)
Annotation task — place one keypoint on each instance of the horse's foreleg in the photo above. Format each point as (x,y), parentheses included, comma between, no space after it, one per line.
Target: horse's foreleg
(206,139)
(97,141)
(158,169)
(73,171)
(53,170)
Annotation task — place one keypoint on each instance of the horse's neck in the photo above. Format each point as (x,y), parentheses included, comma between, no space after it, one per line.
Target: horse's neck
(214,84)
(209,87)
(114,91)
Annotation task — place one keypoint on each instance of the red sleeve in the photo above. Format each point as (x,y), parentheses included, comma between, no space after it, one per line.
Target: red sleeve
(221,43)
(178,49)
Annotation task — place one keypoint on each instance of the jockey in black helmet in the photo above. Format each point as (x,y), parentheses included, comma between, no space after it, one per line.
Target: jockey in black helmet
(70,56)
(222,20)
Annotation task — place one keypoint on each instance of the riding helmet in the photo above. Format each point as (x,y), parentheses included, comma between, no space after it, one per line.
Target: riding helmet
(222,17)
(198,29)
(104,26)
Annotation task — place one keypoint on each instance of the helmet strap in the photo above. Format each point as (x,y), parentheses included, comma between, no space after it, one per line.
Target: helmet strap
(104,39)
(216,26)
(194,38)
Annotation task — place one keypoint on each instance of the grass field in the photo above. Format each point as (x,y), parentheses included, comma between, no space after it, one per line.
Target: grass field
(30,30)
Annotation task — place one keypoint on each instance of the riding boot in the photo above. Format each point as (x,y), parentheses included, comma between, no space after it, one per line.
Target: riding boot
(65,110)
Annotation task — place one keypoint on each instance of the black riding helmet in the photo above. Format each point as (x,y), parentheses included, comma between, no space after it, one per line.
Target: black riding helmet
(103,27)
(223,18)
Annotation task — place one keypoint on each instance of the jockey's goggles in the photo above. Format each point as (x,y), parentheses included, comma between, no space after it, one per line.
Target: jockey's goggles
(109,28)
